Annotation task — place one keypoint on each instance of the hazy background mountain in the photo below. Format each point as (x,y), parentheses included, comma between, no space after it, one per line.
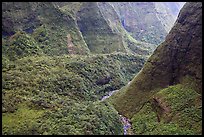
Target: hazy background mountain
(147,21)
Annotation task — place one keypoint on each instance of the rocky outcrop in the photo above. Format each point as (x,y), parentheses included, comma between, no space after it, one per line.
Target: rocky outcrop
(178,60)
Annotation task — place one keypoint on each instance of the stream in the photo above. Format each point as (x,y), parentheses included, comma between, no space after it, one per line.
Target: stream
(125,121)
(126,125)
(109,94)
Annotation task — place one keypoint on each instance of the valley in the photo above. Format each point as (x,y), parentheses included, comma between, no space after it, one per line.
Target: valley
(101,68)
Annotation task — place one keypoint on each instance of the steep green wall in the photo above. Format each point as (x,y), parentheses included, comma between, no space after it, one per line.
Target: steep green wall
(96,32)
(177,60)
(46,23)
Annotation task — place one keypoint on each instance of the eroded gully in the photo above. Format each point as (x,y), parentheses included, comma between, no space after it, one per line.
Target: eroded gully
(125,121)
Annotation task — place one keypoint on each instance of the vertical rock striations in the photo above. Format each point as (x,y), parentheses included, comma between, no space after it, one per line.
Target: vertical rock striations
(96,31)
(147,21)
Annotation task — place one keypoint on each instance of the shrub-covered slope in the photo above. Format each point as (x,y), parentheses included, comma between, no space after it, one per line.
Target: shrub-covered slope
(178,60)
(59,95)
(45,91)
(81,27)
(70,28)
(175,110)
(47,24)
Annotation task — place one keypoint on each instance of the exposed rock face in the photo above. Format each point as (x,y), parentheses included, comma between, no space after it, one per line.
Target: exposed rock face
(177,60)
(70,45)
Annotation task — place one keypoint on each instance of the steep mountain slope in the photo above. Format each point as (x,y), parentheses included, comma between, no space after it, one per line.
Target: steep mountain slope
(176,65)
(84,27)
(104,33)
(45,91)
(71,28)
(96,31)
(59,94)
(130,44)
(147,21)
(47,25)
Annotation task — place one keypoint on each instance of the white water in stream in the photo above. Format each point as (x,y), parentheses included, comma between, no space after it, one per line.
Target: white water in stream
(126,124)
(124,120)
(107,96)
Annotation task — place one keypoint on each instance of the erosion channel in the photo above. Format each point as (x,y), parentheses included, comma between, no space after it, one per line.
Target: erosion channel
(125,121)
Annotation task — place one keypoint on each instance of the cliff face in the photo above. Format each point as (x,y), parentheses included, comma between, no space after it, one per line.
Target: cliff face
(97,33)
(94,27)
(114,21)
(97,27)
(147,21)
(178,60)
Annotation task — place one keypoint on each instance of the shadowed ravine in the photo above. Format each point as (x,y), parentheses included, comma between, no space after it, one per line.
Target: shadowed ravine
(102,68)
(125,121)
(126,126)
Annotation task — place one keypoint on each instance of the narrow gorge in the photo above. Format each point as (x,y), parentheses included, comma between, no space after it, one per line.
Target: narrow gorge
(101,68)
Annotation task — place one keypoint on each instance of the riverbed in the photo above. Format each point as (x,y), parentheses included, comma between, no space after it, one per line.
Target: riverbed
(125,121)
(126,126)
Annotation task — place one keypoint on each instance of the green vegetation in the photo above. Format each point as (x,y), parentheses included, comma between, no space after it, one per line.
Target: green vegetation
(55,92)
(134,46)
(47,24)
(52,84)
(98,35)
(56,84)
(20,45)
(61,91)
(82,118)
(98,43)
(50,24)
(144,21)
(23,121)
(176,110)
(71,118)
